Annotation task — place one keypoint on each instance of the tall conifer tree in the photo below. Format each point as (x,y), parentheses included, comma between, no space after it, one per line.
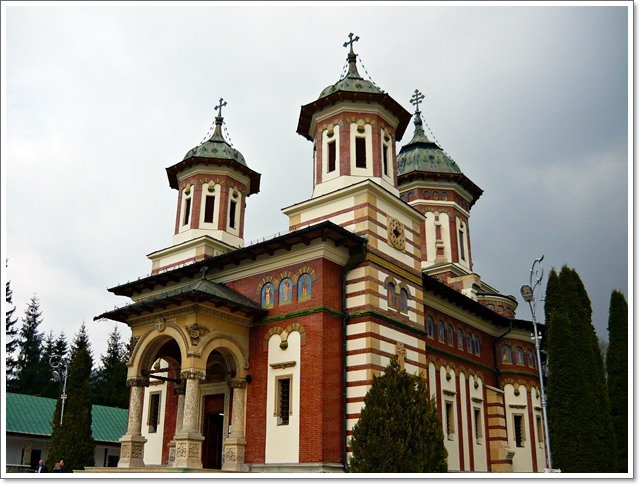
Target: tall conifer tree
(578,406)
(399,430)
(11,335)
(72,440)
(618,374)
(110,384)
(31,374)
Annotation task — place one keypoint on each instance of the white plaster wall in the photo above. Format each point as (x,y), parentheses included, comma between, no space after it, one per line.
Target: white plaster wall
(153,446)
(479,445)
(539,436)
(446,235)
(430,235)
(283,441)
(450,441)
(522,460)
(464,413)
(326,175)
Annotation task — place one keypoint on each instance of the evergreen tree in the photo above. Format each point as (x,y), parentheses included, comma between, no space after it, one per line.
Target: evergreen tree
(31,374)
(617,374)
(50,389)
(110,385)
(72,440)
(580,426)
(11,335)
(399,430)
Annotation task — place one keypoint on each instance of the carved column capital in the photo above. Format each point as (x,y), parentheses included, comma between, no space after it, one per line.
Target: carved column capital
(237,383)
(193,374)
(138,382)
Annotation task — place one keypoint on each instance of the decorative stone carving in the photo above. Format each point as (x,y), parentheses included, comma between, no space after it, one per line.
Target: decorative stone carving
(160,324)
(283,365)
(401,353)
(138,382)
(193,374)
(196,331)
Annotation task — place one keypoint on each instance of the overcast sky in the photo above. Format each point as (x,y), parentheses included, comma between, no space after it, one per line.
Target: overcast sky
(531,101)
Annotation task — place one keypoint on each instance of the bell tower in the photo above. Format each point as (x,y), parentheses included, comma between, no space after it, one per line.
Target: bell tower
(213,182)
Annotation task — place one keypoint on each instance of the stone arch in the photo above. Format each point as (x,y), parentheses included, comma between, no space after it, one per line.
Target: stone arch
(148,344)
(231,350)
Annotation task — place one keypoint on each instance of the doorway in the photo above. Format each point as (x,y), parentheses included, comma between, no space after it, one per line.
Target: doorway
(213,431)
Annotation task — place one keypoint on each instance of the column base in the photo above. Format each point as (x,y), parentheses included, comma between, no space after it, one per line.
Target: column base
(234,455)
(188,450)
(132,451)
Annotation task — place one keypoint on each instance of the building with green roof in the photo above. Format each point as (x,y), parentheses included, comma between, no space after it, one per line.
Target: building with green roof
(28,431)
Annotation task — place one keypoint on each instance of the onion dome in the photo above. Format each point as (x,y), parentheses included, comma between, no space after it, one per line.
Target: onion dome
(217,146)
(352,82)
(351,88)
(215,152)
(422,154)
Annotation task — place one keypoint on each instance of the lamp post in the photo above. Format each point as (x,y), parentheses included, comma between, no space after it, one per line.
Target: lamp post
(60,368)
(529,294)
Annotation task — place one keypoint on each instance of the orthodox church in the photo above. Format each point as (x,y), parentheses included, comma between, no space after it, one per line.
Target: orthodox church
(257,358)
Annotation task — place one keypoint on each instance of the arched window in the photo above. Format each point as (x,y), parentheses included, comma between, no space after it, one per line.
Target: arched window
(519,356)
(430,327)
(404,301)
(469,343)
(267,295)
(304,287)
(450,334)
(460,340)
(476,344)
(391,295)
(441,331)
(531,362)
(506,355)
(285,291)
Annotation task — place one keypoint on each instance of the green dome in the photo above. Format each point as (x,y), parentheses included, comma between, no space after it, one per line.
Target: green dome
(216,147)
(352,82)
(424,155)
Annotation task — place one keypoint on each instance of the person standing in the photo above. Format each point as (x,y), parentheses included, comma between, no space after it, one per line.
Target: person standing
(41,468)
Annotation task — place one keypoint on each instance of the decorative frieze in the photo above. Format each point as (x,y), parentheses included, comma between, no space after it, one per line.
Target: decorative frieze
(196,331)
(283,365)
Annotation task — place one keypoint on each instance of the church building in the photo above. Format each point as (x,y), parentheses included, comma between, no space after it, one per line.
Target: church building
(257,358)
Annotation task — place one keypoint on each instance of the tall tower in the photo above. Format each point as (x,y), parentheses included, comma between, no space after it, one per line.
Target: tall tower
(354,126)
(213,182)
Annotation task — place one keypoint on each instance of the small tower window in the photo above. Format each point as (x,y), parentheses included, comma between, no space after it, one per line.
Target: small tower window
(461,243)
(477,419)
(154,412)
(331,146)
(187,211)
(209,204)
(232,214)
(518,430)
(449,420)
(361,152)
(283,400)
(385,161)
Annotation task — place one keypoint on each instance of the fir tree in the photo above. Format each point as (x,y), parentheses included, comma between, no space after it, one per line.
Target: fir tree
(617,374)
(399,430)
(31,375)
(110,385)
(580,426)
(11,335)
(50,389)
(72,440)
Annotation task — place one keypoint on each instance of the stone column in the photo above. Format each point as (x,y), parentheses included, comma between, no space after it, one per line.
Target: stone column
(132,443)
(178,389)
(189,440)
(235,444)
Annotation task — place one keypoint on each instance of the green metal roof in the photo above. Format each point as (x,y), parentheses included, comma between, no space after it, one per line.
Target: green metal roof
(32,415)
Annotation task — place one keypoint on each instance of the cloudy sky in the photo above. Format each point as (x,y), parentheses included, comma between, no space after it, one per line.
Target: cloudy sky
(532,101)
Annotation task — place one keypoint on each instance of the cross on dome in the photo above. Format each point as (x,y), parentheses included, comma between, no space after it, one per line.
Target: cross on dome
(350,42)
(416,99)
(220,106)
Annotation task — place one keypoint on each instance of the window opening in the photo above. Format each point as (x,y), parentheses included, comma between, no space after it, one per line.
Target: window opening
(478,423)
(361,152)
(385,160)
(284,400)
(461,242)
(187,211)
(209,204)
(154,410)
(518,431)
(332,156)
(232,214)
(449,420)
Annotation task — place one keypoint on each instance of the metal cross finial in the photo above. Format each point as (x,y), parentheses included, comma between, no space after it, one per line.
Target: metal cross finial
(350,42)
(416,99)
(219,107)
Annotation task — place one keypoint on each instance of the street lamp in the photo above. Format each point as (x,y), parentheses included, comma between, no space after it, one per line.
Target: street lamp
(60,368)
(529,294)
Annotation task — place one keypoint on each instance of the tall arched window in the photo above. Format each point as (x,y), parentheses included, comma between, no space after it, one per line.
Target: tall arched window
(441,331)
(391,295)
(450,334)
(430,327)
(476,344)
(460,340)
(403,304)
(469,343)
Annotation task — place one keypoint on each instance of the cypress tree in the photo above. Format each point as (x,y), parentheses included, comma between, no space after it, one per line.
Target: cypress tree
(110,384)
(72,440)
(617,374)
(11,335)
(399,430)
(580,427)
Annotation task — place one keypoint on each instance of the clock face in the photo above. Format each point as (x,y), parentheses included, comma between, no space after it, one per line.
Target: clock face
(395,231)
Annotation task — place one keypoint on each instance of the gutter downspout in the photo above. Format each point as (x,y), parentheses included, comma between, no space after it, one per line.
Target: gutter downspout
(345,320)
